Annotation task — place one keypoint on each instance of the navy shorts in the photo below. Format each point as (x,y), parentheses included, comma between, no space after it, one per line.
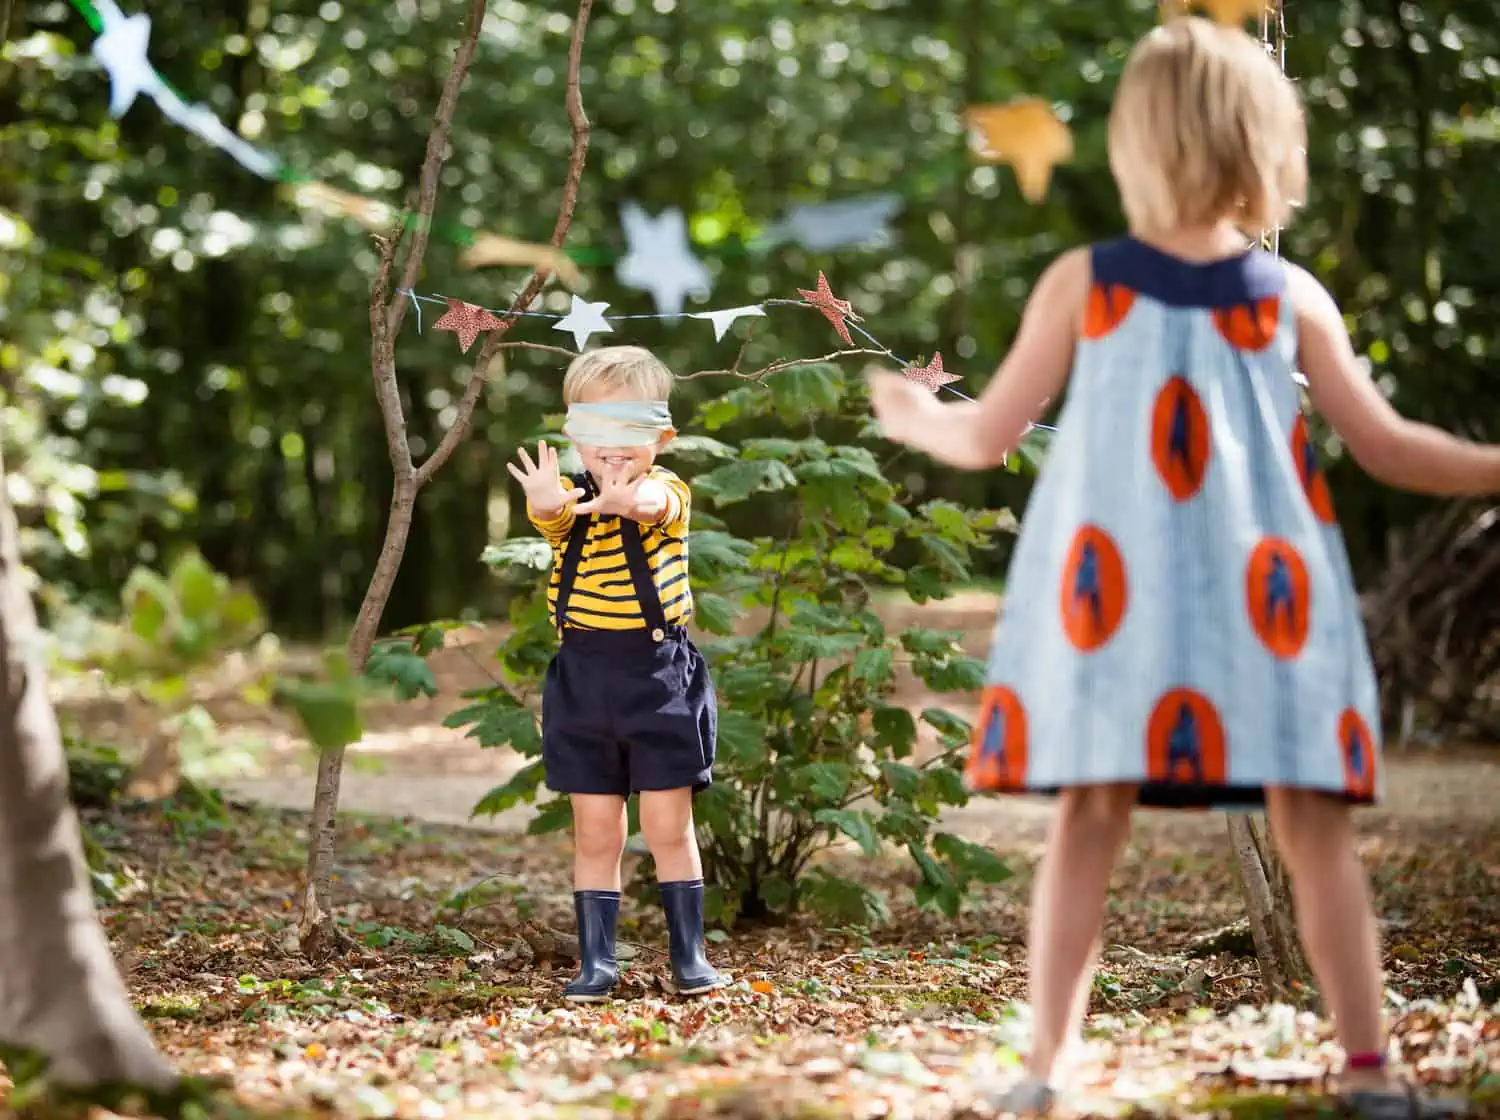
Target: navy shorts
(622,713)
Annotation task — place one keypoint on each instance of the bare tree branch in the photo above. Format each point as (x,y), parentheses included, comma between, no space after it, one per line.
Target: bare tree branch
(578,121)
(778,366)
(383,355)
(432,162)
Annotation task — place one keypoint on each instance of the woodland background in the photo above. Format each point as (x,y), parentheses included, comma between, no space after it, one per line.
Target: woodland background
(186,354)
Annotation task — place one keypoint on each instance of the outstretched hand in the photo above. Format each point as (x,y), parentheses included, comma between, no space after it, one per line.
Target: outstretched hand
(900,404)
(616,497)
(542,481)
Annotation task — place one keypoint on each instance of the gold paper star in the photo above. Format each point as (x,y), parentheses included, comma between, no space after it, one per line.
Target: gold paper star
(931,376)
(834,310)
(490,249)
(1026,134)
(467,320)
(1230,13)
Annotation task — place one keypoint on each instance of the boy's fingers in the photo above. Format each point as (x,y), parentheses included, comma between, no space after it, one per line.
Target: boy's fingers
(516,473)
(525,459)
(573,495)
(586,507)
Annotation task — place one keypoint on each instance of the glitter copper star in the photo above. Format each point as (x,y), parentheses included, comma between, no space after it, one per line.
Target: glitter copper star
(932,375)
(834,309)
(467,320)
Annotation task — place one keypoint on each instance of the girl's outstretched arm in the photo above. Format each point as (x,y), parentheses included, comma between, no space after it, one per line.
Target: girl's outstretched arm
(979,434)
(1403,453)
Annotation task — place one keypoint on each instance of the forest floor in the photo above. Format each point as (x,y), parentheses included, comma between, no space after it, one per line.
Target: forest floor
(445,1012)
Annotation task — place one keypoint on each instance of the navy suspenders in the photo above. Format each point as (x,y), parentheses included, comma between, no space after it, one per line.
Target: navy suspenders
(635,560)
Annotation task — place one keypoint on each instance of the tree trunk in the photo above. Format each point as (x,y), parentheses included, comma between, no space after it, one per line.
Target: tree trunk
(60,992)
(1268,905)
(317,934)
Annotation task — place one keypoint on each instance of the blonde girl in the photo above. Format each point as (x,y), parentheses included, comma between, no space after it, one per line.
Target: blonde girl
(1181,627)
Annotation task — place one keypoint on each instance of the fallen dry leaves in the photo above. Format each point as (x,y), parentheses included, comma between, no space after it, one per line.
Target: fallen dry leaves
(448,1015)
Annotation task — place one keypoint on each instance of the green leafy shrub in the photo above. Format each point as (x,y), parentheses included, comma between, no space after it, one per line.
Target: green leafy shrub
(813,746)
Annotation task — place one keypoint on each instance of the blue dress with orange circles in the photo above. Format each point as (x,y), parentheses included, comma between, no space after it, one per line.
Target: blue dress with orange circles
(1179,612)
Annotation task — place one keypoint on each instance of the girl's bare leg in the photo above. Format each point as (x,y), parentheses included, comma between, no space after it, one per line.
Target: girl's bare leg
(1335,918)
(1067,913)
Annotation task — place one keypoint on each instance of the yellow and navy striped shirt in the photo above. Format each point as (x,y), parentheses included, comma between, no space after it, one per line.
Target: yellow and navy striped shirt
(603,596)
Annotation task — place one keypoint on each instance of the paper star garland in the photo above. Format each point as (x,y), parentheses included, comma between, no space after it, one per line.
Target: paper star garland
(369,213)
(932,375)
(834,310)
(200,121)
(121,50)
(491,249)
(583,319)
(467,320)
(1230,13)
(1026,134)
(824,226)
(659,258)
(725,318)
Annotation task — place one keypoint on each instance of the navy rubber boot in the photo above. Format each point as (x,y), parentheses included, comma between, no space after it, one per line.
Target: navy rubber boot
(597,913)
(692,975)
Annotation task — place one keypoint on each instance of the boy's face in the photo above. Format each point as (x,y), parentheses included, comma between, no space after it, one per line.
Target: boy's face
(632,461)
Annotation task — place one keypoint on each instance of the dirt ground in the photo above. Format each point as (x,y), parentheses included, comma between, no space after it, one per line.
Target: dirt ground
(447,1011)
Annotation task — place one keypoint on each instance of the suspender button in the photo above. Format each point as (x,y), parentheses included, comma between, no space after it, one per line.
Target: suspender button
(658,634)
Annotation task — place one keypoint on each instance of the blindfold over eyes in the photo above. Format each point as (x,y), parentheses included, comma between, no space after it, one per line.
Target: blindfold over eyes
(618,423)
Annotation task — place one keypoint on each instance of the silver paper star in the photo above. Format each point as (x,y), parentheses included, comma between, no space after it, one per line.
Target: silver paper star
(659,258)
(583,319)
(725,318)
(121,50)
(824,226)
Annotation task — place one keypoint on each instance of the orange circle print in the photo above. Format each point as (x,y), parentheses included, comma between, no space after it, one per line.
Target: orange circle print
(1357,749)
(1179,438)
(1107,306)
(997,758)
(1185,741)
(1276,595)
(1093,589)
(1249,326)
(1310,471)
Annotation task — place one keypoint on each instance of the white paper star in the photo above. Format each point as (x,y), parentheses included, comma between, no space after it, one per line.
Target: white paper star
(121,50)
(583,319)
(659,259)
(724,319)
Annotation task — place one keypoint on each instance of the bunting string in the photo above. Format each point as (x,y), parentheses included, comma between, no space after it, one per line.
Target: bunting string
(585,319)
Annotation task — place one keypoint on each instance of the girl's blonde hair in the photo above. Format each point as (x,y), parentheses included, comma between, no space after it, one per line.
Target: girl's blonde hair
(611,368)
(1205,126)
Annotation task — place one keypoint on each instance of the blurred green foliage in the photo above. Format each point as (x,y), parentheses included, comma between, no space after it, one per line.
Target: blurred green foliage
(184,355)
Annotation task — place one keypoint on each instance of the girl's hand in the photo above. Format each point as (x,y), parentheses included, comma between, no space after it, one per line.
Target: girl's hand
(542,481)
(902,406)
(616,498)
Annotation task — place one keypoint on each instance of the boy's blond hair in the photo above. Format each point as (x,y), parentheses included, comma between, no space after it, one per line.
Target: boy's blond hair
(1205,127)
(610,368)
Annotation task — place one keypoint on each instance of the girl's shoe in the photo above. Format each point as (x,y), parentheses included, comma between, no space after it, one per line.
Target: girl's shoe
(1025,1098)
(597,913)
(692,975)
